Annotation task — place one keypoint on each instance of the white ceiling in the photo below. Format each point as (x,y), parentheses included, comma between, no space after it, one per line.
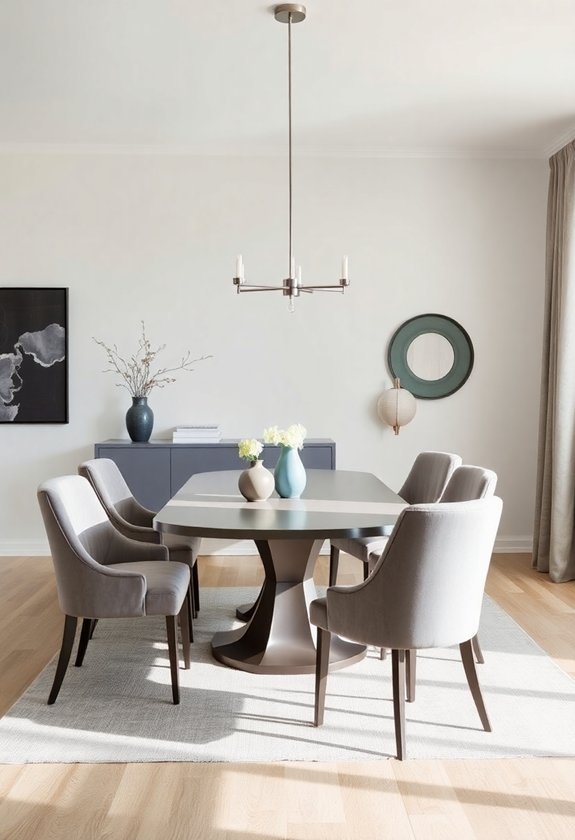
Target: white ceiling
(381,77)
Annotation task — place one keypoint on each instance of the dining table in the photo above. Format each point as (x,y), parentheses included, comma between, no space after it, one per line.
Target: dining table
(276,636)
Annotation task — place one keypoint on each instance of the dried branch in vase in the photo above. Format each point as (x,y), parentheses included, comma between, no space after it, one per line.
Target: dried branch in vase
(137,371)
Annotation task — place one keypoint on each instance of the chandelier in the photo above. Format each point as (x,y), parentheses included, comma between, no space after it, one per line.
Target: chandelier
(292,285)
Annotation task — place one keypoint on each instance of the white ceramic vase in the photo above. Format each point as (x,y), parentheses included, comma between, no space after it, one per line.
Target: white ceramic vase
(256,483)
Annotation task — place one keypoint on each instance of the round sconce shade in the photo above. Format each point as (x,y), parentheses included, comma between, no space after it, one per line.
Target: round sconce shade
(396,407)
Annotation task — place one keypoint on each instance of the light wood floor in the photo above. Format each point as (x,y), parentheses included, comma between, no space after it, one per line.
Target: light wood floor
(517,799)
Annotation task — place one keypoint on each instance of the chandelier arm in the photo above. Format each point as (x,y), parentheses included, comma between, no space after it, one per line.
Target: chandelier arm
(243,288)
(327,288)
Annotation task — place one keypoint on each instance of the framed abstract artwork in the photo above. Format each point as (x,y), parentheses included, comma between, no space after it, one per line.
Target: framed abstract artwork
(33,355)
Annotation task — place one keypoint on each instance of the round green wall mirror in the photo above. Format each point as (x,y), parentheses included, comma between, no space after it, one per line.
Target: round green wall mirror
(432,355)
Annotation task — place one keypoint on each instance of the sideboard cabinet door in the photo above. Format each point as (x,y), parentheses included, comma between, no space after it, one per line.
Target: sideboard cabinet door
(146,470)
(155,471)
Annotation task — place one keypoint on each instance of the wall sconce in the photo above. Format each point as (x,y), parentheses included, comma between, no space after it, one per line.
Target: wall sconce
(396,406)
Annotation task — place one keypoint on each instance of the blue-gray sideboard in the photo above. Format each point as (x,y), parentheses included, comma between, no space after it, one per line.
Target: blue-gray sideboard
(155,471)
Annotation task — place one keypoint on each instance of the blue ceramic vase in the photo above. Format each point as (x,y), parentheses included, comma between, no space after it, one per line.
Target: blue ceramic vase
(289,474)
(140,420)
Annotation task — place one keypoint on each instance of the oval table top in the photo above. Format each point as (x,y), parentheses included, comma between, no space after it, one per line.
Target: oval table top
(335,503)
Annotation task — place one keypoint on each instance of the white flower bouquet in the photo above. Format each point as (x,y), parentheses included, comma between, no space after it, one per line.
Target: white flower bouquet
(292,437)
(250,449)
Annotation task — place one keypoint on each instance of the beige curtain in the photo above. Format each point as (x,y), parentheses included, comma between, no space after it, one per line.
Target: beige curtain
(554,532)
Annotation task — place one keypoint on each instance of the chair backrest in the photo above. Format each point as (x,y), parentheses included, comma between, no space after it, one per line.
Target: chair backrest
(428,476)
(427,588)
(81,539)
(111,488)
(469,482)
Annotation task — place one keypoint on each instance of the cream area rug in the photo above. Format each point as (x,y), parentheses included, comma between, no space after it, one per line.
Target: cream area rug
(117,707)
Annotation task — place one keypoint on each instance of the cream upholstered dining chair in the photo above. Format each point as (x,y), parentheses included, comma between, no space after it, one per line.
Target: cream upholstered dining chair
(133,520)
(426,591)
(466,483)
(425,482)
(102,574)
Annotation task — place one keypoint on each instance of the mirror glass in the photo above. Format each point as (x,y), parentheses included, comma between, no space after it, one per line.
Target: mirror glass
(430,356)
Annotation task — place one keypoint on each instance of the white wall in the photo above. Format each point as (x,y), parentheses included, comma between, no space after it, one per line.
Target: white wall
(154,237)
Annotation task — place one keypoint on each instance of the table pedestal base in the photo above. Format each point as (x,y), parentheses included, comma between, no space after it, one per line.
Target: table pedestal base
(278,638)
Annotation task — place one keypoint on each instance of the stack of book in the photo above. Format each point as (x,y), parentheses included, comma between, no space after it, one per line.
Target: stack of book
(197,433)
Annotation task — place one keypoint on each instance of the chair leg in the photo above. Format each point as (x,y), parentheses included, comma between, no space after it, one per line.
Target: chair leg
(411,664)
(383,653)
(333,564)
(189,611)
(173,651)
(321,669)
(366,571)
(398,682)
(94,623)
(70,624)
(477,649)
(466,649)
(85,636)
(196,589)
(185,629)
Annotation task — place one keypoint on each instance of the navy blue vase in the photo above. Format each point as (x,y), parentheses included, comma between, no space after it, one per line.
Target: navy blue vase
(140,420)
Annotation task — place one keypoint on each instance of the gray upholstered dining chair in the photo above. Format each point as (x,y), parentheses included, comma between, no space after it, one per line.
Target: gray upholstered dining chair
(133,520)
(467,482)
(425,482)
(102,574)
(426,591)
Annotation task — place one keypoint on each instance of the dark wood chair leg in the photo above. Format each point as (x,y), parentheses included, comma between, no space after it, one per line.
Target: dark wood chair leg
(85,636)
(189,611)
(185,629)
(398,682)
(411,664)
(94,623)
(333,564)
(321,669)
(173,651)
(477,649)
(466,649)
(196,589)
(70,624)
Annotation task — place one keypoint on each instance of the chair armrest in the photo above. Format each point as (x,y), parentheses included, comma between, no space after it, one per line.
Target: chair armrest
(141,533)
(111,593)
(124,550)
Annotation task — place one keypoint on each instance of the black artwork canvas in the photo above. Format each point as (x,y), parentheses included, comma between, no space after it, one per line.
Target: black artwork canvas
(33,355)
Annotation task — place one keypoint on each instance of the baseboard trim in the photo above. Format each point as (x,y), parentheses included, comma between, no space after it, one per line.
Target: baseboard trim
(514,545)
(39,548)
(24,548)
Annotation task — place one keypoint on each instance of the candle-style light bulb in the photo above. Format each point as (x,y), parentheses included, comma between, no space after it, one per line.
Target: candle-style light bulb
(239,267)
(344,268)
(298,275)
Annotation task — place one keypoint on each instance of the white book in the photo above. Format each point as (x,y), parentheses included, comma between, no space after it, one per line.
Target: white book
(198,427)
(196,440)
(206,435)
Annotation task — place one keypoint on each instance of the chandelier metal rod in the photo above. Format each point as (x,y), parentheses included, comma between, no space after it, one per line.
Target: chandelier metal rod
(290,256)
(292,285)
